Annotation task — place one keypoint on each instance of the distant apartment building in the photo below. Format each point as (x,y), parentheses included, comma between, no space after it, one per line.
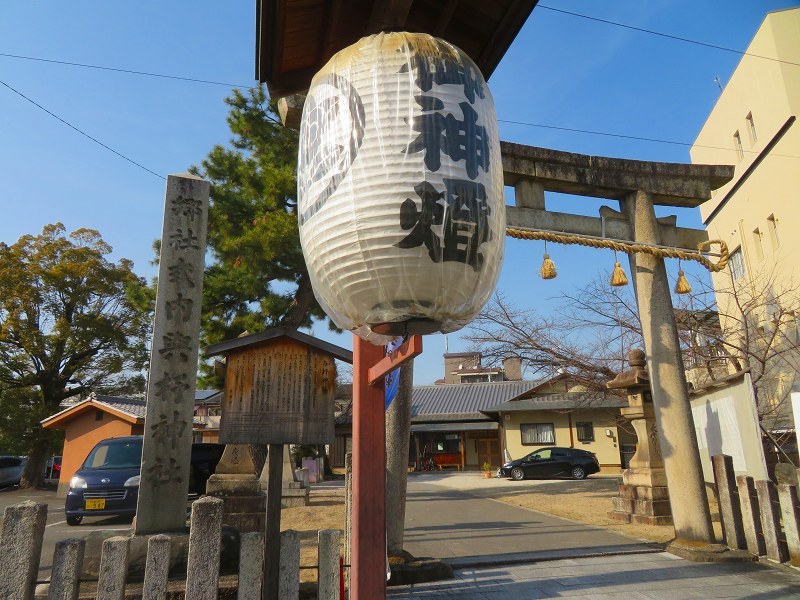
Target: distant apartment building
(466,367)
(753,125)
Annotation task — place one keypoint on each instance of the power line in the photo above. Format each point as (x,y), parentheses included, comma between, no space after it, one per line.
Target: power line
(634,137)
(119,70)
(132,72)
(83,133)
(522,123)
(666,35)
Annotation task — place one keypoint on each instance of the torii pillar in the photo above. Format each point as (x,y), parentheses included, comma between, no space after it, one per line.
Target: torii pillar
(638,186)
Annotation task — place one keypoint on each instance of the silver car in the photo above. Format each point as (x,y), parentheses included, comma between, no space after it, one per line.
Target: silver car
(11,468)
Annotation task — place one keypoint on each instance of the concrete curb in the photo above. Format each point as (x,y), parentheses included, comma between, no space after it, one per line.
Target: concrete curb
(480,562)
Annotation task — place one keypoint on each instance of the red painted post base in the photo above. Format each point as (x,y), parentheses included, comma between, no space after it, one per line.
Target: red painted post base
(368,554)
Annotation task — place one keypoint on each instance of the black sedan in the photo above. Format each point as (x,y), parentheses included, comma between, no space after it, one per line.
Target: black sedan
(552,462)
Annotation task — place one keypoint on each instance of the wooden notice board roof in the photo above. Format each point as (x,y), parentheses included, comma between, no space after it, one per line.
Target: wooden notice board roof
(295,38)
(241,343)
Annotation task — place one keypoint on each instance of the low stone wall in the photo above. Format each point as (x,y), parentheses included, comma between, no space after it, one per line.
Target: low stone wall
(21,545)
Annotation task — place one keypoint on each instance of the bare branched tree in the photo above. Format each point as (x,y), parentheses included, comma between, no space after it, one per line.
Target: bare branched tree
(587,336)
(756,330)
(748,324)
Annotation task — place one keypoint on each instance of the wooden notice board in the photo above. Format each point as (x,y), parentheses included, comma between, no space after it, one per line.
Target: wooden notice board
(279,392)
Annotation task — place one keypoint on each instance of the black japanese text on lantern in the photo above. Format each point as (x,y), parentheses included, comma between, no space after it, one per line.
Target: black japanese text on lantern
(458,208)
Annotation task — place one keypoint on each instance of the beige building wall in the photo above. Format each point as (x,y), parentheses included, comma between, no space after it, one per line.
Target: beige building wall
(753,126)
(605,447)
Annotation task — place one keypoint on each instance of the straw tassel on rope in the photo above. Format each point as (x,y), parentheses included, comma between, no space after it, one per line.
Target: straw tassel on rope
(548,270)
(682,285)
(618,277)
(629,247)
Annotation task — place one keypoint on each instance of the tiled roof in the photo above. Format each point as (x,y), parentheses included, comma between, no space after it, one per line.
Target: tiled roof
(131,406)
(455,402)
(437,402)
(559,402)
(208,397)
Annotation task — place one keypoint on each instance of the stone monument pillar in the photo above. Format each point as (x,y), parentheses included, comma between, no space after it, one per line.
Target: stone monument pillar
(167,447)
(643,496)
(235,482)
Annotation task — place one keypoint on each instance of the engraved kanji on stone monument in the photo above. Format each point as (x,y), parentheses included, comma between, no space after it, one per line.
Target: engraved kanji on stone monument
(166,454)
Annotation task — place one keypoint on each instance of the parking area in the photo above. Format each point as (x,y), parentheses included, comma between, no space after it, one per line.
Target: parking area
(474,482)
(57,528)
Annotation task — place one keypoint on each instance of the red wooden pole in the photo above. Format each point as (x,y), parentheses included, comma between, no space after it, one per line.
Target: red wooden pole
(368,555)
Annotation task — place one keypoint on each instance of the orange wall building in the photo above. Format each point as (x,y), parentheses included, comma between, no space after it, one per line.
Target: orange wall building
(101,417)
(89,422)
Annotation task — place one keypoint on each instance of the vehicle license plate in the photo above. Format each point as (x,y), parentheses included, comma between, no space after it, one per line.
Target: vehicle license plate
(96,504)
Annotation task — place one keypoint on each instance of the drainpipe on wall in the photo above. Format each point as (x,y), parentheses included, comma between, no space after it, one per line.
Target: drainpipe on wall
(571,437)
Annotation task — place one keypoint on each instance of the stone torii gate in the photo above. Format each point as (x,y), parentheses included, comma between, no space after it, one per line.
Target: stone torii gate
(638,186)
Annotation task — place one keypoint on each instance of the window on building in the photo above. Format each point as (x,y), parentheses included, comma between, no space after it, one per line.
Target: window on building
(736,264)
(773,231)
(737,145)
(450,442)
(98,415)
(751,128)
(585,431)
(536,434)
(757,245)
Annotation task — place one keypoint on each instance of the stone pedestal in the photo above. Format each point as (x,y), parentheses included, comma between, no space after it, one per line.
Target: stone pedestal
(643,496)
(236,484)
(293,493)
(646,504)
(294,496)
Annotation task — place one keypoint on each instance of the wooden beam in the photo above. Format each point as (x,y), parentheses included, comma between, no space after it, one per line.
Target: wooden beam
(411,347)
(326,49)
(389,14)
(368,554)
(444,18)
(272,534)
(504,34)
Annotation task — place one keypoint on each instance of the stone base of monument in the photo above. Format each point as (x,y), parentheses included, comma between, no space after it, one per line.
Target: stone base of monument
(245,513)
(643,505)
(244,506)
(705,552)
(294,494)
(408,570)
(221,485)
(179,551)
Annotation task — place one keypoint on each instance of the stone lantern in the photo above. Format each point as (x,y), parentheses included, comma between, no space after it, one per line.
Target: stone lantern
(643,498)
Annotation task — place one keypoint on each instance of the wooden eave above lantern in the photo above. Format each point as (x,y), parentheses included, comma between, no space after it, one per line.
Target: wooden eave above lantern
(245,342)
(295,38)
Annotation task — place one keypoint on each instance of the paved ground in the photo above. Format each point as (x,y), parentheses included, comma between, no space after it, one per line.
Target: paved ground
(57,528)
(468,530)
(640,577)
(503,551)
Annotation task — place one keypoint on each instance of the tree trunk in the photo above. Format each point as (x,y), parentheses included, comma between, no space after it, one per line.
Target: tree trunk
(398,433)
(326,463)
(258,452)
(297,313)
(33,475)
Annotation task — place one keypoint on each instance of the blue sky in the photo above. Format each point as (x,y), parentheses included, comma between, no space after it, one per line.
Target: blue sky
(561,70)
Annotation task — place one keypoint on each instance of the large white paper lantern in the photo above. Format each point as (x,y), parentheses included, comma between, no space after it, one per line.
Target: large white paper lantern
(400,187)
